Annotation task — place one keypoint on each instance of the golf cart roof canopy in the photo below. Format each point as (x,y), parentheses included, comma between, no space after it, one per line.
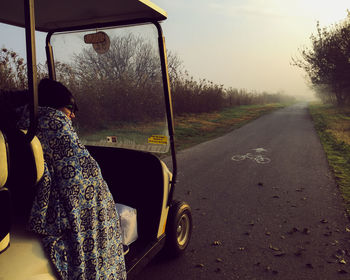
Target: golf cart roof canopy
(68,14)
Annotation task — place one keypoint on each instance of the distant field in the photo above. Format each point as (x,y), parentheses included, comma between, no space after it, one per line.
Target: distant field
(333,126)
(190,129)
(193,129)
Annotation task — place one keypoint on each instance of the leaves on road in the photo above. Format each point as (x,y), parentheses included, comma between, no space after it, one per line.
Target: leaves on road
(216,243)
(293,230)
(340,256)
(277,251)
(279,254)
(273,248)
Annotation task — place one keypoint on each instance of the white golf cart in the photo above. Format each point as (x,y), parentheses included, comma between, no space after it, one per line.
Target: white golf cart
(111,54)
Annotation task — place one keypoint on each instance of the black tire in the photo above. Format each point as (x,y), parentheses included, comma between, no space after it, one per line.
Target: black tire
(179,228)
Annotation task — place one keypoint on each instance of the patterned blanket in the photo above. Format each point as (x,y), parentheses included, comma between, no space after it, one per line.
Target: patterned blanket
(73,210)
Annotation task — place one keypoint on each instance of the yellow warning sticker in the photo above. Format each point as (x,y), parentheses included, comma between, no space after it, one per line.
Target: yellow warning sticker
(158,139)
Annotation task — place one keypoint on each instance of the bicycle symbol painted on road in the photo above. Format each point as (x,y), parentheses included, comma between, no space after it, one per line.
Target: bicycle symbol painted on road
(258,157)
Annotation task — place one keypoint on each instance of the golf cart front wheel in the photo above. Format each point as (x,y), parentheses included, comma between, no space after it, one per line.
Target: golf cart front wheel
(179,228)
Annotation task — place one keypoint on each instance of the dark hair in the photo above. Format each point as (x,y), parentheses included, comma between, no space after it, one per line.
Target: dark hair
(55,95)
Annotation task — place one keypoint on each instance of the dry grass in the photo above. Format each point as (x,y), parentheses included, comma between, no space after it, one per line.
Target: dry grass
(338,123)
(333,126)
(192,129)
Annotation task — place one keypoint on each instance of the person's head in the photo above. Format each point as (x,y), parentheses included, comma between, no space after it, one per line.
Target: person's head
(55,95)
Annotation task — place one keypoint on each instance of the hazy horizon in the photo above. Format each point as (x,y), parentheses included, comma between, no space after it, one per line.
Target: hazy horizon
(243,44)
(247,43)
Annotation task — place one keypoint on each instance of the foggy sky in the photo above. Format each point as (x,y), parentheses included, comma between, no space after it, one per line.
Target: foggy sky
(238,43)
(247,43)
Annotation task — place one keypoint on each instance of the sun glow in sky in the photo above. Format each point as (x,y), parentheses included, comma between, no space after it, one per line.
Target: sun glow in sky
(238,43)
(247,43)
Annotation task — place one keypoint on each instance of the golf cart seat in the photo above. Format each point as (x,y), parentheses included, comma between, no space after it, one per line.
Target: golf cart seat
(24,163)
(26,169)
(5,220)
(22,166)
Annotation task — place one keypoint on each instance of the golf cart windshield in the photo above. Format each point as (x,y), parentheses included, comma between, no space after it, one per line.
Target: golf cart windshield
(115,75)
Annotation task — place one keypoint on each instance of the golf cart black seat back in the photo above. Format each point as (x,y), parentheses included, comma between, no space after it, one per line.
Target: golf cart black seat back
(135,179)
(22,166)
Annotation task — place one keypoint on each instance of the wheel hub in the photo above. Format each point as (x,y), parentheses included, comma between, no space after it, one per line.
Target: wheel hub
(183,230)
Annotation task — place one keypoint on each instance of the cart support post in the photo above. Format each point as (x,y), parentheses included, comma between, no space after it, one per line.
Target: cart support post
(49,58)
(31,66)
(168,105)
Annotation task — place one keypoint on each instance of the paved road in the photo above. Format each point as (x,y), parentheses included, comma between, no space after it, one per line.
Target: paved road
(272,213)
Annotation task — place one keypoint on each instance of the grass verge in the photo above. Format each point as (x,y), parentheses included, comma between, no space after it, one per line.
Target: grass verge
(192,129)
(333,127)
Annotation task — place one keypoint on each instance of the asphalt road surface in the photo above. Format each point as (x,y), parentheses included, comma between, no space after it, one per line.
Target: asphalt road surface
(265,206)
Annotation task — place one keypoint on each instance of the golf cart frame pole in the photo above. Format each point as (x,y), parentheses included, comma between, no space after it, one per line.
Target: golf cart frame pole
(50,58)
(168,105)
(31,66)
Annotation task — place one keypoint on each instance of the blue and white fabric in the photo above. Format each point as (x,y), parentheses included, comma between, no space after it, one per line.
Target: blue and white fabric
(73,210)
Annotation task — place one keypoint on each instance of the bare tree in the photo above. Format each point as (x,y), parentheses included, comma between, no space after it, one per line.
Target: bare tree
(12,71)
(327,62)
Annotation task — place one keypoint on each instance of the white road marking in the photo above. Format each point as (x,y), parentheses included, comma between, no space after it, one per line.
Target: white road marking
(258,157)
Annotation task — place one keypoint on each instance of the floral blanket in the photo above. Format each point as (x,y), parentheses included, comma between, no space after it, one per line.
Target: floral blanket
(73,210)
